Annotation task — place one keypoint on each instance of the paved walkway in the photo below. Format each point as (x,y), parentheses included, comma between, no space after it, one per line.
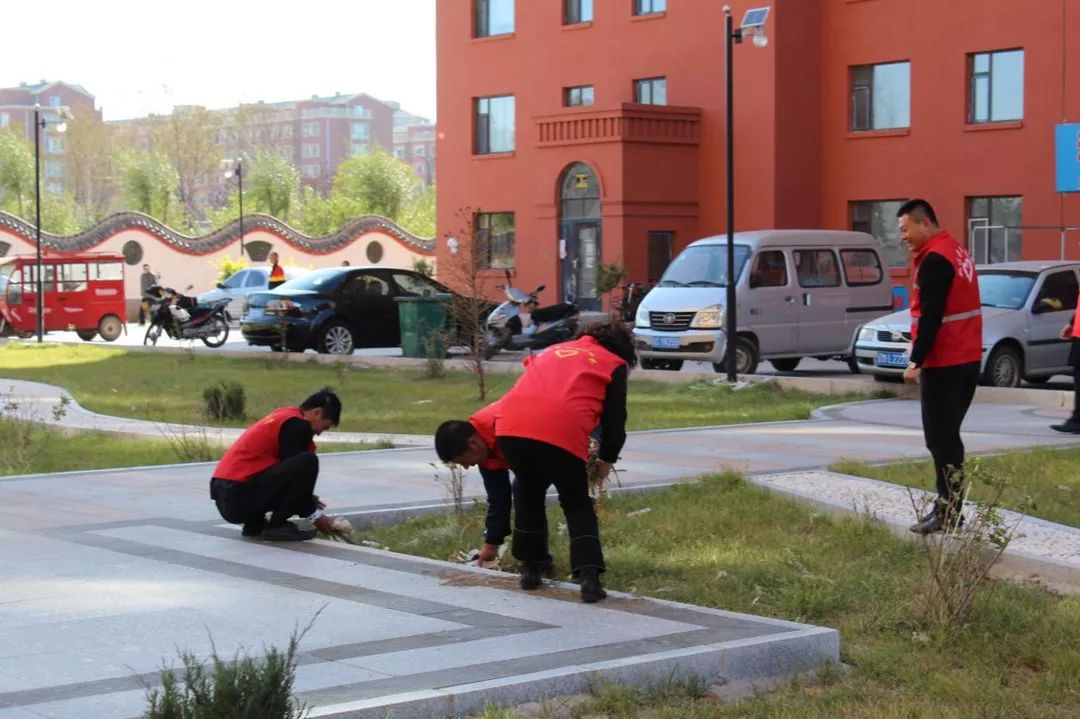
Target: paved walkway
(106,573)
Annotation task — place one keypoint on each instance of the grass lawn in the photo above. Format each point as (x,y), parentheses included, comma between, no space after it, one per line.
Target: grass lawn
(169,387)
(1041,482)
(725,543)
(29,449)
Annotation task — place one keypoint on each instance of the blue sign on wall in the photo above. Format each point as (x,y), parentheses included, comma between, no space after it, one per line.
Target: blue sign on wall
(1067,152)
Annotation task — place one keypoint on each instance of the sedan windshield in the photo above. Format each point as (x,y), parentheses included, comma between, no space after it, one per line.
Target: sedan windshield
(703,266)
(1005,289)
(324,280)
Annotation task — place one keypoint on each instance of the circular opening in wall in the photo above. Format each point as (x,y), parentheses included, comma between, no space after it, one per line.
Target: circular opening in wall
(132,252)
(374,252)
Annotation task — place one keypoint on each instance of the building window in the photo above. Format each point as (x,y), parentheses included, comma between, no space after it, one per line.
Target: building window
(54,168)
(878,218)
(994,227)
(651,91)
(361,111)
(881,96)
(5,119)
(494,124)
(359,148)
(361,131)
(648,7)
(579,95)
(309,129)
(494,17)
(576,11)
(495,240)
(54,144)
(997,86)
(310,172)
(660,251)
(309,150)
(55,101)
(399,152)
(286,131)
(418,150)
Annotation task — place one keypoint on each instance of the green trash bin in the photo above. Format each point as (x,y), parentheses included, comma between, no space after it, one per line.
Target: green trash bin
(423,325)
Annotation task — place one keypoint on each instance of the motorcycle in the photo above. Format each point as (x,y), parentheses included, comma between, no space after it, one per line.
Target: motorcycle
(183,318)
(520,323)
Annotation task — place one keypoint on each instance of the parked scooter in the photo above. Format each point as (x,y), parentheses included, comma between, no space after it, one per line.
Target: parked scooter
(519,323)
(182,318)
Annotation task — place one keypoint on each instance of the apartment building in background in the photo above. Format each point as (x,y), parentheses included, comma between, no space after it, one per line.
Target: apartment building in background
(17,111)
(584,132)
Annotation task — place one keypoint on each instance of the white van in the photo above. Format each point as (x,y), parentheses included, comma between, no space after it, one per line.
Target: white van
(799,293)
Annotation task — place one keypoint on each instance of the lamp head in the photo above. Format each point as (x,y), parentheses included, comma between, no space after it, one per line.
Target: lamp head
(761,39)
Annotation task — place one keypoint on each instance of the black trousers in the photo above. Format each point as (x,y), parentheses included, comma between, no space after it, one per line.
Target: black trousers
(945,395)
(1074,360)
(500,500)
(537,466)
(286,489)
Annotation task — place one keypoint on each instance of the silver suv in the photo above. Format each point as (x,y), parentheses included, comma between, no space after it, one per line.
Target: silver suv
(1025,305)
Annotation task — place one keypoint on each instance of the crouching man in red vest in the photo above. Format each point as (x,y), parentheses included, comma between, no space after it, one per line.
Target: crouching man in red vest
(946,353)
(473,443)
(272,468)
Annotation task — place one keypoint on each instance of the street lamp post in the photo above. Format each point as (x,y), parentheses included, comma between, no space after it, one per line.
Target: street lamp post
(238,171)
(40,122)
(753,24)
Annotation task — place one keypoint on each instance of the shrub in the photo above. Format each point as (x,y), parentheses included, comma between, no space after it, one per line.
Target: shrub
(225,400)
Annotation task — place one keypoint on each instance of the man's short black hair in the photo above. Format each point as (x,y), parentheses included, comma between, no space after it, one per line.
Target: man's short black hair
(452,439)
(327,401)
(614,337)
(918,209)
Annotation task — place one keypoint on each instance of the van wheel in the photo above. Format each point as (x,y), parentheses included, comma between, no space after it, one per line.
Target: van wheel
(1004,368)
(86,335)
(785,364)
(746,358)
(110,328)
(666,364)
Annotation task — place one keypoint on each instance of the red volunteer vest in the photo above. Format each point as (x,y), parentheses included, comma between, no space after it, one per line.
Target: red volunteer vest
(258,448)
(959,340)
(484,423)
(560,397)
(276,274)
(1076,323)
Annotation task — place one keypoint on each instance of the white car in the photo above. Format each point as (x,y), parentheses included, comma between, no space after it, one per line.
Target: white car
(1024,307)
(242,283)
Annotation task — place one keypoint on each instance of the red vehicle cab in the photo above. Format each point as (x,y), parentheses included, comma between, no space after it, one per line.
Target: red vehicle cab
(83,292)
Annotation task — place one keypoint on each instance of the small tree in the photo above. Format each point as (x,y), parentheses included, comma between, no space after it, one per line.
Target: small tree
(608,278)
(464,270)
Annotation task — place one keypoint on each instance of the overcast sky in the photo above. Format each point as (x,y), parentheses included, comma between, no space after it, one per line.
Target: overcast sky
(143,56)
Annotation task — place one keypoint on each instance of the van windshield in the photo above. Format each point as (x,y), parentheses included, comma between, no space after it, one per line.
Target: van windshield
(703,266)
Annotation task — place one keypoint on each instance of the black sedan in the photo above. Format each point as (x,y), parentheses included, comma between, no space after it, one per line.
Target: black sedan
(334,310)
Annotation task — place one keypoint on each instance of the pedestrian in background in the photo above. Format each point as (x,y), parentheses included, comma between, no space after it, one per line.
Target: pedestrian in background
(946,353)
(1071,332)
(277,275)
(146,280)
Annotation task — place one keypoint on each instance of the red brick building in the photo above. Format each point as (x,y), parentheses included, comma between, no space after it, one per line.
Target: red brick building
(584,131)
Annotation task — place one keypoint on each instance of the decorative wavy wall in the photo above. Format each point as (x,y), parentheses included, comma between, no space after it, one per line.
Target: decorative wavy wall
(220,238)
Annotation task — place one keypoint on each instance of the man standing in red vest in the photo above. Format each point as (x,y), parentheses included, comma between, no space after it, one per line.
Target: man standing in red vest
(473,443)
(946,352)
(273,468)
(1071,331)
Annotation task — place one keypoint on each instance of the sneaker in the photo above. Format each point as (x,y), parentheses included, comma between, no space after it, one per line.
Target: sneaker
(1069,426)
(287,532)
(530,576)
(591,591)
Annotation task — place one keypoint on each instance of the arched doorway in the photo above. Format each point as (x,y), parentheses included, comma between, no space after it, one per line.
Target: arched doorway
(579,235)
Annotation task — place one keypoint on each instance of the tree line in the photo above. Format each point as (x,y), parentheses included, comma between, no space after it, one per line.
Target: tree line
(171,169)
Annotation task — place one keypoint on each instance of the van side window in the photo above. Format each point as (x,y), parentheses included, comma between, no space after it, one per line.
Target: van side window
(72,277)
(817,268)
(770,270)
(861,267)
(109,271)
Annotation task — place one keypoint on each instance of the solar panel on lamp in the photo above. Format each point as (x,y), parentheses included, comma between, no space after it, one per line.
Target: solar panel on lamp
(755,17)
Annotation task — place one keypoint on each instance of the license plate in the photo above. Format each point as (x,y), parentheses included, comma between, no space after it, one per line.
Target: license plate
(665,343)
(892,359)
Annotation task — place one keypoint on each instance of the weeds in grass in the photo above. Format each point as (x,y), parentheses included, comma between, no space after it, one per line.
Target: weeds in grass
(245,688)
(453,483)
(435,366)
(960,558)
(190,444)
